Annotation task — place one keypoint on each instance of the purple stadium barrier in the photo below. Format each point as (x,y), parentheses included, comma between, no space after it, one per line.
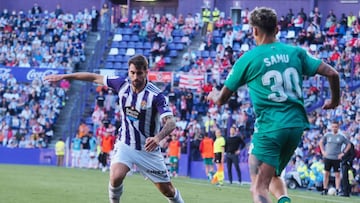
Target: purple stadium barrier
(27,156)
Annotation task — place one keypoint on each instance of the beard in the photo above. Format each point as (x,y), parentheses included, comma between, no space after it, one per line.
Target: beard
(138,84)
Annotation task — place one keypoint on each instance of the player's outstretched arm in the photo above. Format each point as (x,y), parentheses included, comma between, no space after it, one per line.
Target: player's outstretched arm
(334,82)
(83,76)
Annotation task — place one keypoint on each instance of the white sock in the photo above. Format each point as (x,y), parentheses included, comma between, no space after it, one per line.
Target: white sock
(115,193)
(177,197)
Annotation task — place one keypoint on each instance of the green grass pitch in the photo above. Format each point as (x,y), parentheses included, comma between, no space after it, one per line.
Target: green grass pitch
(42,184)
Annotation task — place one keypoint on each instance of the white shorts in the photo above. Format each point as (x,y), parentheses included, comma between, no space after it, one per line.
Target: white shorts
(92,154)
(75,154)
(150,164)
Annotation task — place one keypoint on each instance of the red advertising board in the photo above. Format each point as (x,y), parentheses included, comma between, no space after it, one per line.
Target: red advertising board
(160,76)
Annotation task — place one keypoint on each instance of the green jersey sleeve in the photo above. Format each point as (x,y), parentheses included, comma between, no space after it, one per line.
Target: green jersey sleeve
(238,74)
(310,63)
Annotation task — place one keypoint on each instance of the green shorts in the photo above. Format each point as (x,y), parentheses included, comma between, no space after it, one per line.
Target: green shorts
(277,147)
(173,159)
(208,161)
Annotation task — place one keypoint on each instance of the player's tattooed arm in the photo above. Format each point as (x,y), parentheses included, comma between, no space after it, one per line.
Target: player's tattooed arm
(169,126)
(152,143)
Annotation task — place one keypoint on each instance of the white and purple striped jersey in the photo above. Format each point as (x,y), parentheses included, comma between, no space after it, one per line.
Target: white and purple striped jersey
(141,113)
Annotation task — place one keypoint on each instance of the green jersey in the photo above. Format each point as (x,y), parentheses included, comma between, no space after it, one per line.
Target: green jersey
(273,73)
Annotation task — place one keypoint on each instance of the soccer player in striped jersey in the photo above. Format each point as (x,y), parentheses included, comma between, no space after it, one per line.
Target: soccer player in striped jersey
(143,107)
(273,72)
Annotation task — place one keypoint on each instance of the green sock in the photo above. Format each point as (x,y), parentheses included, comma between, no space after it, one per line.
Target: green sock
(284,199)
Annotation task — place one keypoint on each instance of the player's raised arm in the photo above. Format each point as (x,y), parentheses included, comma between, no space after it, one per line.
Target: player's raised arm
(83,76)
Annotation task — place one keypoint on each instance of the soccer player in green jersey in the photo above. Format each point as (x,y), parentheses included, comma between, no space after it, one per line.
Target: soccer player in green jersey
(273,73)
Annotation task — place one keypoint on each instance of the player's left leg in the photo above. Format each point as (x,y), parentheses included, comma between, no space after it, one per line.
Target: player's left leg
(279,190)
(168,190)
(152,165)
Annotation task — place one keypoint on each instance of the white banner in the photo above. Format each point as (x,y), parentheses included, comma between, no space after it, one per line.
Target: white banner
(191,81)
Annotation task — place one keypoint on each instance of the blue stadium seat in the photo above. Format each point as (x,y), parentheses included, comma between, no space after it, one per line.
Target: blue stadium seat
(236,46)
(213,54)
(126,38)
(198,53)
(217,40)
(147,52)
(139,51)
(122,51)
(134,38)
(118,58)
(216,33)
(110,58)
(173,53)
(131,44)
(179,46)
(167,60)
(123,44)
(139,45)
(119,31)
(172,46)
(109,65)
(205,54)
(122,73)
(147,45)
(114,44)
(127,31)
(117,65)
(178,33)
(126,58)
(177,40)
(123,66)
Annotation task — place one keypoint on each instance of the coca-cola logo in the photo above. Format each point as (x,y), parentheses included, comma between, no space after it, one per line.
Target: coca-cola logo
(36,74)
(4,73)
(27,74)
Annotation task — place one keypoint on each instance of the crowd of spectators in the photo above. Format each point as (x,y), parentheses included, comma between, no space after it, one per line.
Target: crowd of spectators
(28,112)
(37,38)
(164,35)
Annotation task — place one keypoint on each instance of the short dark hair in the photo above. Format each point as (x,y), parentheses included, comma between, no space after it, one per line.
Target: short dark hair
(264,18)
(139,61)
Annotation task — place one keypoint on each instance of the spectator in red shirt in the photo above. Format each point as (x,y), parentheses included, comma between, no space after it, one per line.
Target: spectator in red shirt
(207,88)
(335,56)
(160,63)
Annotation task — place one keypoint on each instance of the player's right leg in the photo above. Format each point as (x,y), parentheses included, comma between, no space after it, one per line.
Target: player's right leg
(261,175)
(118,172)
(121,161)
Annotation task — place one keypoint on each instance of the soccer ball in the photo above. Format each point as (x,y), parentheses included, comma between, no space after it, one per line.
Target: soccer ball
(332,191)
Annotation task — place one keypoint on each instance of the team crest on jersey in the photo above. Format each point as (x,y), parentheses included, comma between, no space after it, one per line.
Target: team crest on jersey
(143,105)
